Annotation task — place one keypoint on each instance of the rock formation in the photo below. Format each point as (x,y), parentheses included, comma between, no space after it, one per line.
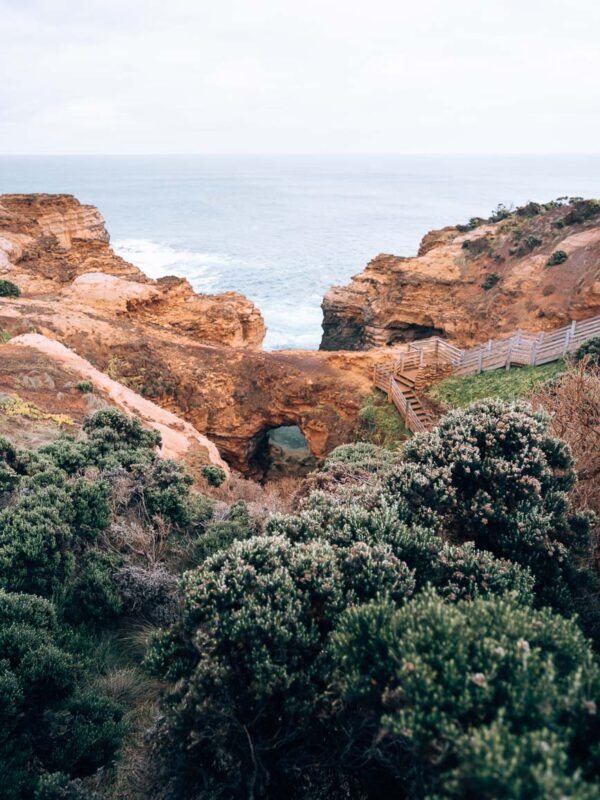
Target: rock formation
(52,243)
(158,338)
(472,285)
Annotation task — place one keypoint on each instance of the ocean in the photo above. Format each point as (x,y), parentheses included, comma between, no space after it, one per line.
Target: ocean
(283,229)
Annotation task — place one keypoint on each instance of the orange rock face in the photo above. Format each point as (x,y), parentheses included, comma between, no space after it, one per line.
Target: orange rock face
(441,290)
(53,244)
(195,355)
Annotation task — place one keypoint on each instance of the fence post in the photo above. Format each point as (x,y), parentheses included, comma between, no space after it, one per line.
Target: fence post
(568,336)
(480,360)
(508,354)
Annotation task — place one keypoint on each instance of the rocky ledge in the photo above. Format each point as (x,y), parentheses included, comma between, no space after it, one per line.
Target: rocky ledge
(194,355)
(52,244)
(534,268)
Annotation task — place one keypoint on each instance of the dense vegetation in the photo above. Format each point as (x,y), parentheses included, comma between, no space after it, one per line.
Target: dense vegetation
(407,631)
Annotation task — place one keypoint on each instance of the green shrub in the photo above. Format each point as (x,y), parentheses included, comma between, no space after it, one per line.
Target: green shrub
(589,351)
(237,526)
(490,281)
(557,257)
(528,245)
(458,700)
(85,387)
(9,289)
(492,474)
(501,212)
(214,474)
(582,211)
(456,571)
(115,439)
(92,597)
(263,611)
(41,711)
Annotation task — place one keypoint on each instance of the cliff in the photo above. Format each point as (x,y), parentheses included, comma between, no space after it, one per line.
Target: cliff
(488,279)
(159,340)
(51,244)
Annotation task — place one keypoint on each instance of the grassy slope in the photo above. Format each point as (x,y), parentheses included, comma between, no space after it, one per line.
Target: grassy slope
(501,384)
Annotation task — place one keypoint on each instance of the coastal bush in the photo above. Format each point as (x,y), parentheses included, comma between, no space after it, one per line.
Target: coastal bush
(46,720)
(527,245)
(455,570)
(582,211)
(557,257)
(476,699)
(490,281)
(9,289)
(493,475)
(93,597)
(501,212)
(85,387)
(243,707)
(214,474)
(589,352)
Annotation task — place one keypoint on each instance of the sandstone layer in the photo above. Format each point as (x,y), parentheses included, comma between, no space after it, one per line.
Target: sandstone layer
(52,244)
(474,285)
(152,337)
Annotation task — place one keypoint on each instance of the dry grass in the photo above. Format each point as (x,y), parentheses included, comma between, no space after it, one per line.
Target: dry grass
(573,400)
(274,497)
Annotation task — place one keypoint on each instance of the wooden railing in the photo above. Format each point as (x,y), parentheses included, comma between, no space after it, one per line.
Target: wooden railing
(385,380)
(522,349)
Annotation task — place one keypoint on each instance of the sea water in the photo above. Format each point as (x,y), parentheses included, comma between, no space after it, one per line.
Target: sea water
(283,229)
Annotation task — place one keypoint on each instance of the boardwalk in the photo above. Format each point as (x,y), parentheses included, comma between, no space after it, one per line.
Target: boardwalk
(398,378)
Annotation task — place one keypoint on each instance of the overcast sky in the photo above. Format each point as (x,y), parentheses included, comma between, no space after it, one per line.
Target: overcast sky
(301,76)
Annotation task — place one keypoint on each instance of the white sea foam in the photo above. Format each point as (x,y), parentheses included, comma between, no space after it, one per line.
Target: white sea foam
(290,324)
(157,260)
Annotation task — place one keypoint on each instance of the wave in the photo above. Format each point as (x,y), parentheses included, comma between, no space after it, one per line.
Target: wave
(290,324)
(158,260)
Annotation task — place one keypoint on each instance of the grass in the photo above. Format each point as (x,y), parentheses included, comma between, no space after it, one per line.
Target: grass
(15,406)
(380,423)
(500,384)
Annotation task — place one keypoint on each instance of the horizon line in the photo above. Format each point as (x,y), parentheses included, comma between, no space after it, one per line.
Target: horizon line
(209,154)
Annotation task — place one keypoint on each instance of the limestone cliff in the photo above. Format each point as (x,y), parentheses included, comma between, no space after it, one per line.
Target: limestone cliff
(53,244)
(158,338)
(472,285)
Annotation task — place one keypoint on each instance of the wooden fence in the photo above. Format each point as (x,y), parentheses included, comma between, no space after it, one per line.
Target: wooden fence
(522,349)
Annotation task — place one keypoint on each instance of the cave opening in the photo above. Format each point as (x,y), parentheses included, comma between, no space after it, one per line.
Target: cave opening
(282,452)
(411,332)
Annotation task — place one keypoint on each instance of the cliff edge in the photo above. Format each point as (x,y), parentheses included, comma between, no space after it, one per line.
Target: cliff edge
(534,268)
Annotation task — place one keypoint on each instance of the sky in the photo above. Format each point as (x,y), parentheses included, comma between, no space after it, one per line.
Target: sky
(317,76)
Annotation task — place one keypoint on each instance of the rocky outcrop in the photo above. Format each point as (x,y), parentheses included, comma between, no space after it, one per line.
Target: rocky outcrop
(193,355)
(52,244)
(477,284)
(41,395)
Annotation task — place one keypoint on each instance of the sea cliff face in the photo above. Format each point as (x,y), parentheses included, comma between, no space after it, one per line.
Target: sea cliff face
(53,243)
(475,284)
(197,356)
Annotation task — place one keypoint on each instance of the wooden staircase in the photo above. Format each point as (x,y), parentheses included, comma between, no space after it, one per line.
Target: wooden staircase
(408,388)
(523,349)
